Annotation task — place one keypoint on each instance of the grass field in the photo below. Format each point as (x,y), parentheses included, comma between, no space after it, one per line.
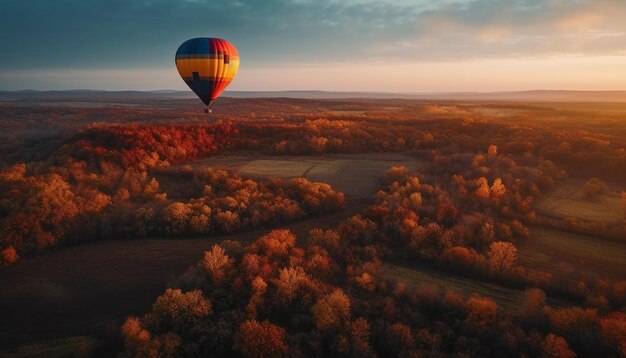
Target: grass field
(569,200)
(81,346)
(416,276)
(421,276)
(355,175)
(548,249)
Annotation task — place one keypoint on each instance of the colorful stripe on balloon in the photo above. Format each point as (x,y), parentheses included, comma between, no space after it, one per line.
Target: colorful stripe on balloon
(207,65)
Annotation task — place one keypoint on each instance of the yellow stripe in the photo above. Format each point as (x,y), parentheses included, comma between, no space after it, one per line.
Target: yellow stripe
(204,56)
(207,67)
(190,78)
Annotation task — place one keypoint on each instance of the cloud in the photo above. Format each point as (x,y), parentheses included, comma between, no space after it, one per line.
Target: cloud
(145,33)
(489,28)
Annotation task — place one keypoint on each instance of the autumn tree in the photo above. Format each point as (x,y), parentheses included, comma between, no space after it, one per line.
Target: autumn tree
(259,287)
(359,336)
(176,217)
(139,342)
(554,346)
(216,263)
(395,173)
(533,303)
(416,200)
(366,282)
(462,257)
(8,256)
(594,187)
(613,328)
(260,339)
(200,218)
(579,326)
(318,144)
(501,256)
(180,311)
(227,220)
(497,189)
(277,243)
(328,239)
(134,335)
(332,310)
(483,191)
(289,281)
(481,313)
(400,338)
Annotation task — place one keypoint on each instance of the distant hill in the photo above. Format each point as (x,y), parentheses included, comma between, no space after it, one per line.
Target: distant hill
(304,94)
(532,96)
(522,96)
(525,96)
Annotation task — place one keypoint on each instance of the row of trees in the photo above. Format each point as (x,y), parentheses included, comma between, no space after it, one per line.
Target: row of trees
(307,126)
(584,153)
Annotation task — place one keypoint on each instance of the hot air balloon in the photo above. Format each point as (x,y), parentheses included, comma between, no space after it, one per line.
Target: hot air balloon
(207,65)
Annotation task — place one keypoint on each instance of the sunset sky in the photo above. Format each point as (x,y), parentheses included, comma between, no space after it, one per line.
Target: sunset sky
(348,45)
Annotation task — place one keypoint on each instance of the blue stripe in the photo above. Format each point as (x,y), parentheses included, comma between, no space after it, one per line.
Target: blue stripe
(183,56)
(201,87)
(197,46)
(194,46)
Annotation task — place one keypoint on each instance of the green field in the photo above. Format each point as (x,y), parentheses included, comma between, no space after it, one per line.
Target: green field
(569,200)
(356,175)
(547,249)
(421,276)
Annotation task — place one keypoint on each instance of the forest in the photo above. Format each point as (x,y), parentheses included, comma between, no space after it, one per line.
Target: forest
(477,208)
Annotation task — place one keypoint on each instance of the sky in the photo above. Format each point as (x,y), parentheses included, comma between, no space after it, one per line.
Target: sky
(343,45)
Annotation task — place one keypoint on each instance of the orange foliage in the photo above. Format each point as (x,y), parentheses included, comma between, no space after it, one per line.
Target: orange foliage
(332,310)
(613,329)
(556,347)
(502,256)
(216,263)
(261,339)
(8,256)
(481,313)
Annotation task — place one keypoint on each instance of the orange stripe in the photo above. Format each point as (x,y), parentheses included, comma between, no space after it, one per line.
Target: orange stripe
(207,67)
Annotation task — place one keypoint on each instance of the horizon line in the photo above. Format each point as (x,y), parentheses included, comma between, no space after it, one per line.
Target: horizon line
(320,90)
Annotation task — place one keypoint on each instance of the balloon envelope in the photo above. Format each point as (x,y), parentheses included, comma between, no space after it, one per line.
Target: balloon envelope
(207,65)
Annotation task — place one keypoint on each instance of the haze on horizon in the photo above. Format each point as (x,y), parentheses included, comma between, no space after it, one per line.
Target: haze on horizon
(353,45)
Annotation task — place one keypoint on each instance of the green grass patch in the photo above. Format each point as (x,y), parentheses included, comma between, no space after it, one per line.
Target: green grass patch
(422,276)
(568,200)
(547,249)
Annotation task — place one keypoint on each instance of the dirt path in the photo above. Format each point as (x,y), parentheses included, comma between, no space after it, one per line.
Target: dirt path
(80,290)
